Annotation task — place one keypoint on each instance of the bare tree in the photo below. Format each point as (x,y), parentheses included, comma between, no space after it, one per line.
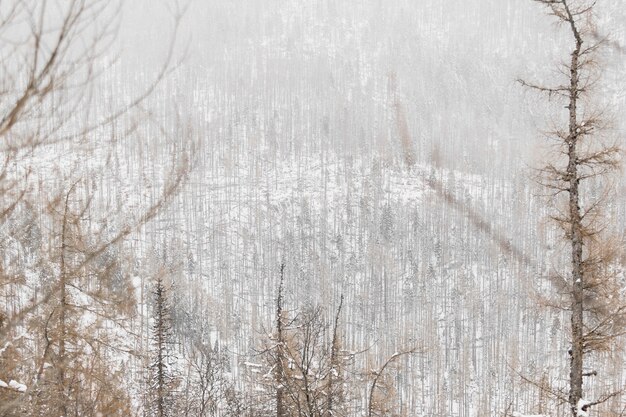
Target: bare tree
(204,382)
(378,406)
(582,161)
(73,372)
(334,386)
(280,364)
(307,362)
(65,291)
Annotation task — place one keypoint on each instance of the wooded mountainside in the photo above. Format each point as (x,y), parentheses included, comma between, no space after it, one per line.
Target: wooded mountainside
(312,208)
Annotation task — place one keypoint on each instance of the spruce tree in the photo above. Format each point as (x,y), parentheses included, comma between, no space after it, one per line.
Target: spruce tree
(162,375)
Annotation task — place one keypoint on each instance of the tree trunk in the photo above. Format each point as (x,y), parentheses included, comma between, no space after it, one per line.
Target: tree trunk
(63,304)
(280,357)
(334,363)
(575,218)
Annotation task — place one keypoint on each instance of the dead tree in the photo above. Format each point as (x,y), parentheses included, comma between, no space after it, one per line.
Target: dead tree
(280,365)
(335,378)
(306,362)
(583,158)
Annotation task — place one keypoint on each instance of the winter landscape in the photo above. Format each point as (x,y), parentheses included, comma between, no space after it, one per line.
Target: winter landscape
(312,208)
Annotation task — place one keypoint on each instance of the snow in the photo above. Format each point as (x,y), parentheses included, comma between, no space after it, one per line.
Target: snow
(17,386)
(394,289)
(582,408)
(14,385)
(5,347)
(136,281)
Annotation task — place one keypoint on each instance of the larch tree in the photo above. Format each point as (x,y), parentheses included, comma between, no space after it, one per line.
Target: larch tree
(584,156)
(65,290)
(83,325)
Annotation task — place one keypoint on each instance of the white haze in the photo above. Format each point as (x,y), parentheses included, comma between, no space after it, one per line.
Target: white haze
(299,157)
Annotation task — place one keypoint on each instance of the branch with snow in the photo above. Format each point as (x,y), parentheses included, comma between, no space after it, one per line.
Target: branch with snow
(582,408)
(13,385)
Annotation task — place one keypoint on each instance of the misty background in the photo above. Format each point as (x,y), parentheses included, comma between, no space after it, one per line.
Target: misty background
(297,111)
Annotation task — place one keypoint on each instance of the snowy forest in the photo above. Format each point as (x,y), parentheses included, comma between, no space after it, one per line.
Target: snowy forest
(314,208)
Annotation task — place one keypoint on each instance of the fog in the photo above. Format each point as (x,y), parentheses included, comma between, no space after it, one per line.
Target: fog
(384,153)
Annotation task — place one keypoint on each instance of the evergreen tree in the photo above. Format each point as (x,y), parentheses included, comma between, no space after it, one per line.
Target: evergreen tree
(163,380)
